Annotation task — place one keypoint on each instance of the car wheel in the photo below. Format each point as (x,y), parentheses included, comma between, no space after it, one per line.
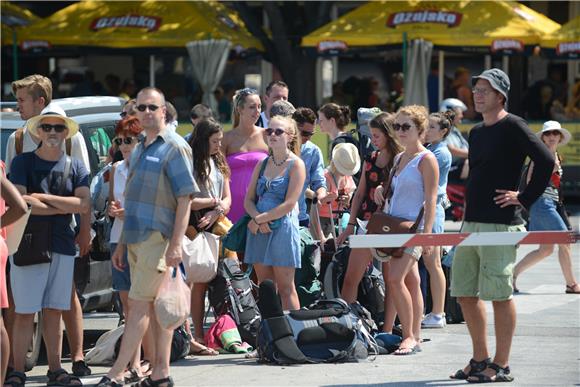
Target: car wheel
(36,344)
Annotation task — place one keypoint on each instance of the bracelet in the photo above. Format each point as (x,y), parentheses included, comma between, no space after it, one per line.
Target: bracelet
(255,221)
(351,224)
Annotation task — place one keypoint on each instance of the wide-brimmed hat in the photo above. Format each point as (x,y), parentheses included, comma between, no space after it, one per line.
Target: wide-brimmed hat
(52,110)
(555,125)
(346,159)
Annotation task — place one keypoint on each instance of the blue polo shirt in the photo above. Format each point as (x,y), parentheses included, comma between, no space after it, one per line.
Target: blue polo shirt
(158,174)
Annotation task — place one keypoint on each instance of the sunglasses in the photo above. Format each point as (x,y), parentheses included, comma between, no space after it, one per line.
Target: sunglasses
(247,91)
(306,134)
(151,108)
(58,128)
(403,127)
(278,132)
(123,114)
(126,140)
(551,133)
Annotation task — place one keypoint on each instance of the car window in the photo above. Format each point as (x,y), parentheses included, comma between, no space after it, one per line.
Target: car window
(98,137)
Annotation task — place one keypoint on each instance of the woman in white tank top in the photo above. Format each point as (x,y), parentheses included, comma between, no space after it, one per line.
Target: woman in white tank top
(414,185)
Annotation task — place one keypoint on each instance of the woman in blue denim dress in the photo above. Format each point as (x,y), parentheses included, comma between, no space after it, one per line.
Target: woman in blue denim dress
(273,240)
(548,213)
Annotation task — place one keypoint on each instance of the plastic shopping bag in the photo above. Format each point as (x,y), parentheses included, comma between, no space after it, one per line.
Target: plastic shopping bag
(172,304)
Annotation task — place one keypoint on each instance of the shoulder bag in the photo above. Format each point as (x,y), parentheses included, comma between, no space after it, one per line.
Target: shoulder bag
(381,223)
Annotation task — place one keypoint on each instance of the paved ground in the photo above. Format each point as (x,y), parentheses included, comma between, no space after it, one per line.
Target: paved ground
(546,348)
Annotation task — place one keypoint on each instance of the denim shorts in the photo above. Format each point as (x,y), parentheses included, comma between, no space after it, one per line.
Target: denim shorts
(121,279)
(545,217)
(439,221)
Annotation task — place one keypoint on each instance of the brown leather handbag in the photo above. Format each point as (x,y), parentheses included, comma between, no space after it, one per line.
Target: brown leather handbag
(381,223)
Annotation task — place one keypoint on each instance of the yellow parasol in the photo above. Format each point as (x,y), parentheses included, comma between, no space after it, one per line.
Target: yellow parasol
(143,24)
(566,41)
(13,16)
(463,25)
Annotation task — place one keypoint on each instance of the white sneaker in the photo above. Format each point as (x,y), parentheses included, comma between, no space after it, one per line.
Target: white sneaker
(433,320)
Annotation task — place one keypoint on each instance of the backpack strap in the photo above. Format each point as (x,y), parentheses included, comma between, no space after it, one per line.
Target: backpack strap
(387,187)
(65,175)
(19,140)
(263,166)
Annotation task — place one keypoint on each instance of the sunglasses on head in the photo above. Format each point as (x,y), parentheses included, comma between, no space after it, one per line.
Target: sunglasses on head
(278,132)
(151,107)
(58,128)
(304,133)
(404,127)
(127,140)
(247,91)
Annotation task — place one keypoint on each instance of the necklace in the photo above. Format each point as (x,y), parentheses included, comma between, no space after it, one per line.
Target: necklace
(281,162)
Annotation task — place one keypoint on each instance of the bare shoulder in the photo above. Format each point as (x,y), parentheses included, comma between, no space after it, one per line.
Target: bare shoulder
(298,163)
(429,159)
(227,139)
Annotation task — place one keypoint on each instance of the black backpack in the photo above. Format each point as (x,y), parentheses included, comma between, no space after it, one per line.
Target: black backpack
(371,290)
(327,332)
(453,312)
(231,292)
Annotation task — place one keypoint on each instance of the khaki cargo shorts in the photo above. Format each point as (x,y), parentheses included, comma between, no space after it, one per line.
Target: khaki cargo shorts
(484,271)
(147,264)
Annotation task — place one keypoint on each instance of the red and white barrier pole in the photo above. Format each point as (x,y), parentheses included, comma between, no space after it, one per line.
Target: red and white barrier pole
(465,239)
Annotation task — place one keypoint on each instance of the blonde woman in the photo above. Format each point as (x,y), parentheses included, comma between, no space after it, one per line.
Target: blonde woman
(273,240)
(243,146)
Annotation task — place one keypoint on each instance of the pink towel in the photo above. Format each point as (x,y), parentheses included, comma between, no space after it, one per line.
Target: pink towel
(223,335)
(242,165)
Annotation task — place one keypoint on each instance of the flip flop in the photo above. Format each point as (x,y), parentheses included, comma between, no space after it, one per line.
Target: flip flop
(408,351)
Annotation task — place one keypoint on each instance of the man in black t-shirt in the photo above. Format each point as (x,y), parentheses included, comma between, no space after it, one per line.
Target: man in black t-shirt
(497,149)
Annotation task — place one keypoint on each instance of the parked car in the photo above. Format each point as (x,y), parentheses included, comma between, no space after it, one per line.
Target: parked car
(97,116)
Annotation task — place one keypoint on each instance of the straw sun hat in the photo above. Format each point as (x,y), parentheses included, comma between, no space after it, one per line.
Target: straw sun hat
(52,111)
(346,159)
